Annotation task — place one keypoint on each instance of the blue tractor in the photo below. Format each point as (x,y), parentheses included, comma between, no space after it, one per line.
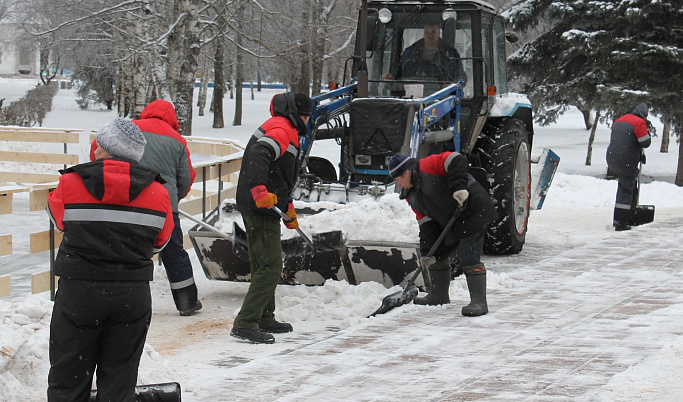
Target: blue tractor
(426,77)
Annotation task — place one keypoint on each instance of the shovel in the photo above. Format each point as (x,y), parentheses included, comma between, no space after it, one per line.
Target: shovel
(409,293)
(322,242)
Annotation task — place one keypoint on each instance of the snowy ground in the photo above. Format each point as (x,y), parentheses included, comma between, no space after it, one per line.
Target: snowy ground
(582,313)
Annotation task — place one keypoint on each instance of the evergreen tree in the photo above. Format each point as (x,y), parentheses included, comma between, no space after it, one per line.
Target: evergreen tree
(605,55)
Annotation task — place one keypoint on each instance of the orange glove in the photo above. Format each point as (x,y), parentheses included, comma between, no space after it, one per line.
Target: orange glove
(262,197)
(291,214)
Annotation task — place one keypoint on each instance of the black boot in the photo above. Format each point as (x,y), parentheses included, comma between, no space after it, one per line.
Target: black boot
(441,281)
(253,335)
(476,283)
(621,219)
(275,327)
(186,300)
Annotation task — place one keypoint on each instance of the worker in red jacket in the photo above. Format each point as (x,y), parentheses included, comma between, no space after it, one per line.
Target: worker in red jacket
(166,152)
(437,187)
(115,214)
(267,178)
(629,138)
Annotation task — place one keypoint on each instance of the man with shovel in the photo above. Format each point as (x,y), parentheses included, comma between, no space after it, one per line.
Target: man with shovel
(438,187)
(269,171)
(630,136)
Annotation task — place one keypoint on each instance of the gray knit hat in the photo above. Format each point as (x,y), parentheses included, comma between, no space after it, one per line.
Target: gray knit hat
(123,139)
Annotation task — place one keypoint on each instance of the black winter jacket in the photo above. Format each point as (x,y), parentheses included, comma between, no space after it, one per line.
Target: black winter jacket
(435,179)
(271,158)
(629,136)
(115,214)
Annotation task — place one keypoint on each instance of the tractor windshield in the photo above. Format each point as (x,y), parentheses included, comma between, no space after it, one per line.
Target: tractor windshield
(417,53)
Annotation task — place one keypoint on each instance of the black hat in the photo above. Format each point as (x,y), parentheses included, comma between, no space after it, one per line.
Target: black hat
(304,104)
(399,163)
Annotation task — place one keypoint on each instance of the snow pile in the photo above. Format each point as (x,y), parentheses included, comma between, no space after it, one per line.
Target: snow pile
(388,219)
(24,338)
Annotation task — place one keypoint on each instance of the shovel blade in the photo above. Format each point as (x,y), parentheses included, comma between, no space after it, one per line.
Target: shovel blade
(397,299)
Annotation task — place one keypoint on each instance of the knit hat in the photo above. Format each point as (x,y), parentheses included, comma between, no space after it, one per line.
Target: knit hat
(399,163)
(304,104)
(123,139)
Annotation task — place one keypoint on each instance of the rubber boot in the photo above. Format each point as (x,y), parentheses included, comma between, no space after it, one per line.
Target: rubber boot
(476,283)
(441,281)
(186,300)
(621,219)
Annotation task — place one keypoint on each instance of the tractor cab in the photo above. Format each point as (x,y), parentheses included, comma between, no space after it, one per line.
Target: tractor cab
(414,49)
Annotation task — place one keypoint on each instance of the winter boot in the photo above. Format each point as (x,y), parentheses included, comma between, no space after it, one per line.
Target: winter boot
(441,281)
(621,218)
(476,283)
(253,335)
(275,327)
(186,300)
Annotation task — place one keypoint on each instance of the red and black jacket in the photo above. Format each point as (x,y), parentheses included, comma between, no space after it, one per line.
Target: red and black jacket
(435,179)
(115,215)
(271,158)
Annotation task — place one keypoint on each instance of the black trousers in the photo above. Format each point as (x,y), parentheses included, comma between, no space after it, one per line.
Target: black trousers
(99,324)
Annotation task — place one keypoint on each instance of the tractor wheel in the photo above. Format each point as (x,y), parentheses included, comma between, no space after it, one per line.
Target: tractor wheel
(505,154)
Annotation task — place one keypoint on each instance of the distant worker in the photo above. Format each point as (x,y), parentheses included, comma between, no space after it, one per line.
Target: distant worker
(115,214)
(267,179)
(630,137)
(436,187)
(166,152)
(430,57)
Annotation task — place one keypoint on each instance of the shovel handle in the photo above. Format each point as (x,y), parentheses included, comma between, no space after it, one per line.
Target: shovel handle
(436,245)
(205,225)
(301,232)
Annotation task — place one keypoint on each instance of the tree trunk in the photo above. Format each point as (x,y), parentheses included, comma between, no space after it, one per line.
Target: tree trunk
(594,126)
(218,86)
(239,69)
(183,51)
(318,43)
(587,119)
(666,133)
(679,171)
(204,90)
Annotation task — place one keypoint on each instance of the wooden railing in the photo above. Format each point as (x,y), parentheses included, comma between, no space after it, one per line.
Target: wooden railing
(217,171)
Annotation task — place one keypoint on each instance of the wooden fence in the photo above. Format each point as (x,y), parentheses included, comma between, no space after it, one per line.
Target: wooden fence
(216,180)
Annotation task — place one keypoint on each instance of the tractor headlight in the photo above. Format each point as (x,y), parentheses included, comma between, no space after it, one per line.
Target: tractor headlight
(385,15)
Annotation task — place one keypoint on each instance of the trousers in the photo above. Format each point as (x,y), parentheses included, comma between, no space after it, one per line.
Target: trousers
(265,263)
(97,325)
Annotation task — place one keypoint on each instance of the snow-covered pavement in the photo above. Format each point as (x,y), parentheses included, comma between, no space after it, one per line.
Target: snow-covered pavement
(582,313)
(559,329)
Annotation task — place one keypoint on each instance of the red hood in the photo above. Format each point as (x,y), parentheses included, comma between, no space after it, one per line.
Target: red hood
(163,110)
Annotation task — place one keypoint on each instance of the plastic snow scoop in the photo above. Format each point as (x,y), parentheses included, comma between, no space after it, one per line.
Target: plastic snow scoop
(322,242)
(409,293)
(166,392)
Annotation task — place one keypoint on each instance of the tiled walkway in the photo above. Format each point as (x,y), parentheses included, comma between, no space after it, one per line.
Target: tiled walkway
(560,333)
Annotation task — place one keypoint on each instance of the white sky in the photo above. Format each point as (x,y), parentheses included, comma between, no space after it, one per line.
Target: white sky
(575,281)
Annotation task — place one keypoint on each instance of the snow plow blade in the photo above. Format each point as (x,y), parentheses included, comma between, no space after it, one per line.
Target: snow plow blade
(542,176)
(226,257)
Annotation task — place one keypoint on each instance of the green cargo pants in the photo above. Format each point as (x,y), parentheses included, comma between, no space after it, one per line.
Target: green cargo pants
(265,261)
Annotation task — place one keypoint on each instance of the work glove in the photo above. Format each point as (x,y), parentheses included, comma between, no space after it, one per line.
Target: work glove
(291,214)
(262,197)
(427,261)
(461,196)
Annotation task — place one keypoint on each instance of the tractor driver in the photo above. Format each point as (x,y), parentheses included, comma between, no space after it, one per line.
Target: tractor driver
(429,57)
